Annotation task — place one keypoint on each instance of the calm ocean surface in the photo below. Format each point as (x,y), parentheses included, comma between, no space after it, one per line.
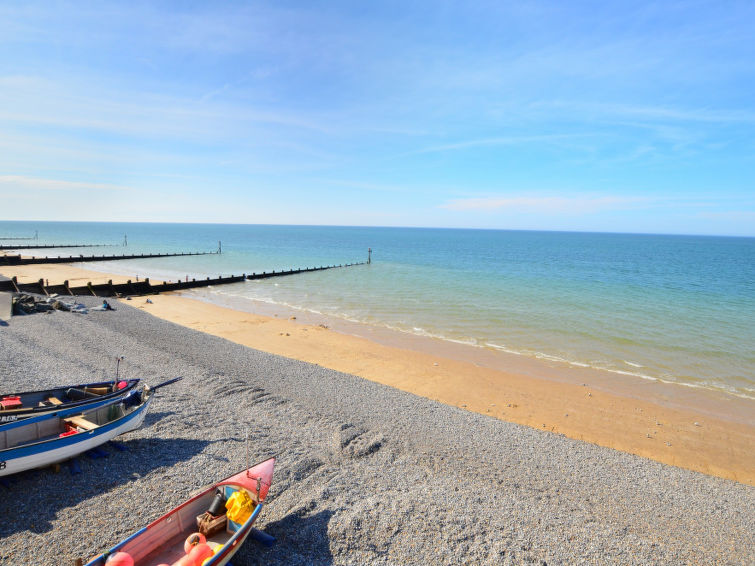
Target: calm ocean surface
(676,308)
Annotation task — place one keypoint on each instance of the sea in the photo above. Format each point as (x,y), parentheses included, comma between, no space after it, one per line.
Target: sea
(678,309)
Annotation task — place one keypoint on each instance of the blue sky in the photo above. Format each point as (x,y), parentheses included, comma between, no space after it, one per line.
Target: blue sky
(596,116)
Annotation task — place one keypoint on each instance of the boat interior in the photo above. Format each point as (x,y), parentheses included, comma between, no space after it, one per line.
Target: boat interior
(24,401)
(164,542)
(56,427)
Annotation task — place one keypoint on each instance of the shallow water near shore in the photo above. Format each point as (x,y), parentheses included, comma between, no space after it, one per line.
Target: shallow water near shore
(672,308)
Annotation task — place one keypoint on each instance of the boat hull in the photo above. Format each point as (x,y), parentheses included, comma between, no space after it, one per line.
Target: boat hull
(52,451)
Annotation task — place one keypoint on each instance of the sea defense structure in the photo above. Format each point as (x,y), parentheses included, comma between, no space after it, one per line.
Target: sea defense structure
(145,287)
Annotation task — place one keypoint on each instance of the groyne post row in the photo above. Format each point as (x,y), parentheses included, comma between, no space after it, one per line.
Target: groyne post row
(19,260)
(265,275)
(135,288)
(34,237)
(48,246)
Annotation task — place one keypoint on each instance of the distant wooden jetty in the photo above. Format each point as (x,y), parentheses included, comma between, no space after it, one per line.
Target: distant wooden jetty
(34,237)
(48,246)
(145,287)
(20,260)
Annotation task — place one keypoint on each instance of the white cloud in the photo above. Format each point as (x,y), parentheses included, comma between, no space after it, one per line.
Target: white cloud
(30,183)
(507,140)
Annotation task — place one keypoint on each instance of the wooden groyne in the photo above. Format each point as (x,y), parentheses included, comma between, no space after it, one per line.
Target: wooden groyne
(265,275)
(48,246)
(20,260)
(34,237)
(145,287)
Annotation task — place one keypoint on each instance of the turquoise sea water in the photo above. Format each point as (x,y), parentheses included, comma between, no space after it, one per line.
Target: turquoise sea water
(675,308)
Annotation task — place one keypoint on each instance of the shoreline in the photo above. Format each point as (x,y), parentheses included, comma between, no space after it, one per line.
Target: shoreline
(709,401)
(687,427)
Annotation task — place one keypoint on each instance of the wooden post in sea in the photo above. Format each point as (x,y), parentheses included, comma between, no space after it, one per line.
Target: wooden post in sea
(369,255)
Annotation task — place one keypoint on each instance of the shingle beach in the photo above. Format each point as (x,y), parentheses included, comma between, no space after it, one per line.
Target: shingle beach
(366,474)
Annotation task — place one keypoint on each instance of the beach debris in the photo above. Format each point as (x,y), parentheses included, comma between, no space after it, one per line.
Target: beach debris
(25,303)
(292,318)
(435,363)
(74,307)
(697,424)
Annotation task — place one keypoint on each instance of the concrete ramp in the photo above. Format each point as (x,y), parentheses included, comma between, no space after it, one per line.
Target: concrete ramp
(6,306)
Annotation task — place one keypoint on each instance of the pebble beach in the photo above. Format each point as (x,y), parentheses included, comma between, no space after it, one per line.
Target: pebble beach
(365,474)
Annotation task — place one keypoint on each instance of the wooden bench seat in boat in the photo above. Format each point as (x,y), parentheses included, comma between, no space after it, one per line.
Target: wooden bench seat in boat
(81,422)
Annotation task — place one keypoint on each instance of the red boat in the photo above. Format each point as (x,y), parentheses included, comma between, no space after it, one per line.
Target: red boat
(206,530)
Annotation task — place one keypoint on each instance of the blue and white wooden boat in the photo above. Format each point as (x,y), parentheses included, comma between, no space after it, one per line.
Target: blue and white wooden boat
(55,437)
(17,406)
(173,538)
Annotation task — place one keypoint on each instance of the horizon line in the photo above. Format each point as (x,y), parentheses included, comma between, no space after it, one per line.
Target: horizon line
(555,231)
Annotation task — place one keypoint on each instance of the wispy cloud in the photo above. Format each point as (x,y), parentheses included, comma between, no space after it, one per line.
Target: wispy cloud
(505,140)
(619,110)
(68,103)
(29,183)
(730,215)
(366,186)
(713,115)
(546,204)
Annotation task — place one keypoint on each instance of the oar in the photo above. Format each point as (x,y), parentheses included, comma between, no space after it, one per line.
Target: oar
(164,383)
(135,397)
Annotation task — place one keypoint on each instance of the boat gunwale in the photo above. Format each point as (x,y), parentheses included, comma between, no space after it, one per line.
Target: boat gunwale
(20,411)
(37,414)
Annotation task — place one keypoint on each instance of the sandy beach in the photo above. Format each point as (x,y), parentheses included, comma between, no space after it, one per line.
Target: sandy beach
(692,428)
